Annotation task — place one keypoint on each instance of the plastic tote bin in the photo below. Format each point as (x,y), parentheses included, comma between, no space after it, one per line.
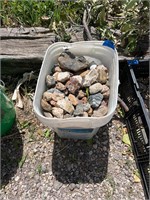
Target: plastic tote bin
(79,127)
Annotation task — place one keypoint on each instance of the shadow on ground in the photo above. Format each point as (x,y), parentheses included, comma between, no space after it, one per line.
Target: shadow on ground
(81,161)
(11,154)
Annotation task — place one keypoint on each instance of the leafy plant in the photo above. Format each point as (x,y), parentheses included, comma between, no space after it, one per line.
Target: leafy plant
(124,22)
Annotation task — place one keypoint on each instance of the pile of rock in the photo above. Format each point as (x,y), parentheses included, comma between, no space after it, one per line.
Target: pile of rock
(76,88)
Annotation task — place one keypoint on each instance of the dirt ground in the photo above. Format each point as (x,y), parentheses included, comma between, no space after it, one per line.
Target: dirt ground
(37,164)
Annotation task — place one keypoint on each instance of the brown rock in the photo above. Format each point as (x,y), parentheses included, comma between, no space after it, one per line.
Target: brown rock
(90,112)
(85,114)
(73,99)
(48,114)
(73,85)
(102,67)
(66,105)
(53,103)
(101,111)
(67,116)
(83,74)
(105,88)
(106,94)
(102,74)
(47,96)
(60,86)
(58,69)
(84,100)
(45,105)
(52,96)
(57,112)
(55,75)
(95,88)
(78,78)
(57,96)
(63,76)
(50,81)
(104,102)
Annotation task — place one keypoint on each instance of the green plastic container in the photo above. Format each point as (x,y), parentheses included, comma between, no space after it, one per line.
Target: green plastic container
(8,113)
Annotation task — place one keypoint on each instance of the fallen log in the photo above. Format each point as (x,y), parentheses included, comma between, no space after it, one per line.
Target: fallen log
(22,49)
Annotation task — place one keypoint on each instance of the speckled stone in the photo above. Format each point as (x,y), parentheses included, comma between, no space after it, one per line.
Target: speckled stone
(73,99)
(48,114)
(50,81)
(101,111)
(63,76)
(66,105)
(78,78)
(73,85)
(90,78)
(105,88)
(70,62)
(58,69)
(60,86)
(52,96)
(102,74)
(57,112)
(45,106)
(95,88)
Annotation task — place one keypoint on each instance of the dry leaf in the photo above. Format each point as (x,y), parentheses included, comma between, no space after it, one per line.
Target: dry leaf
(136,179)
(16,95)
(126,139)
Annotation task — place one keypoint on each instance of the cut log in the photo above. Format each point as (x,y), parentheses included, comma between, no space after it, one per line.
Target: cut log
(22,49)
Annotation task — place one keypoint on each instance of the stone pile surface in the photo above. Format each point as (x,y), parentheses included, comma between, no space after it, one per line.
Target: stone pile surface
(76,88)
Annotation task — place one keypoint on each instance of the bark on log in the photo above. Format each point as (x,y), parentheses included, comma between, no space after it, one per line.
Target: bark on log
(22,49)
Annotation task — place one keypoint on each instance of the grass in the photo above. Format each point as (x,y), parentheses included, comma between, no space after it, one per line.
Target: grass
(22,161)
(39,169)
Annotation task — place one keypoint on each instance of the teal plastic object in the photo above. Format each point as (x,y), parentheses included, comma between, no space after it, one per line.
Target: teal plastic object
(8,113)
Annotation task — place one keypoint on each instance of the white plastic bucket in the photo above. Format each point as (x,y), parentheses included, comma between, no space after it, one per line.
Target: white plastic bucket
(79,127)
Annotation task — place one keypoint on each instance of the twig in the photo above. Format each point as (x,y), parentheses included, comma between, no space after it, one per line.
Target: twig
(63,149)
(123,104)
(86,26)
(72,21)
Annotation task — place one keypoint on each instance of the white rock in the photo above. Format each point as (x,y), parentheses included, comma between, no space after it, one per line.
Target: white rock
(57,112)
(85,114)
(102,74)
(97,87)
(63,76)
(102,67)
(90,78)
(65,105)
(93,66)
(78,78)
(55,75)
